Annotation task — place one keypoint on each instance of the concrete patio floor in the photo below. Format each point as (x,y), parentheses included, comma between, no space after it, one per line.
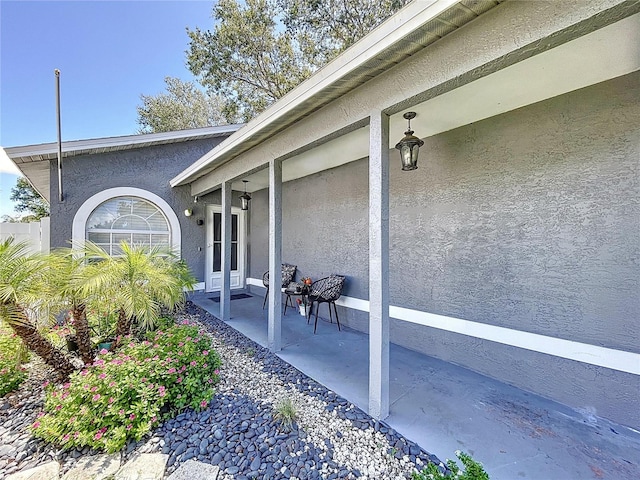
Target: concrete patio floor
(444,408)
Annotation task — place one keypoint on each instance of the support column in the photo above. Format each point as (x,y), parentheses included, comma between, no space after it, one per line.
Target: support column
(225,266)
(379,265)
(274,340)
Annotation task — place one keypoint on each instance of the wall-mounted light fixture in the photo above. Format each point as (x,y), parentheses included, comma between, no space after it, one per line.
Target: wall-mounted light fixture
(245,197)
(188,212)
(195,199)
(409,146)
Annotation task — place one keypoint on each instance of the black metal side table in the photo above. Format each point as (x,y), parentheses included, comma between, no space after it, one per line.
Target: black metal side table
(296,290)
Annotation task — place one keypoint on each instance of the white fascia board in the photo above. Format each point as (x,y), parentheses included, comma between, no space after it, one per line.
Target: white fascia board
(403,23)
(16,153)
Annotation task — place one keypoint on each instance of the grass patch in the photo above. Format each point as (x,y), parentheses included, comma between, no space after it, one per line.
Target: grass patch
(286,413)
(472,470)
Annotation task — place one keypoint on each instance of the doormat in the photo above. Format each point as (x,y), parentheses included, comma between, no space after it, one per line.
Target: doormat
(235,296)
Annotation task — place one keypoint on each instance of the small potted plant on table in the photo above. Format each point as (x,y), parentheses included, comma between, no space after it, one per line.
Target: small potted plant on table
(302,306)
(303,300)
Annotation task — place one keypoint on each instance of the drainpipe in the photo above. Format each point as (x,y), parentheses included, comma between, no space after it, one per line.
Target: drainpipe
(60,196)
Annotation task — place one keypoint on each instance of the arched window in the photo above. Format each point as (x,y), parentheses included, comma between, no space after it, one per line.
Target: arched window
(129,219)
(126,213)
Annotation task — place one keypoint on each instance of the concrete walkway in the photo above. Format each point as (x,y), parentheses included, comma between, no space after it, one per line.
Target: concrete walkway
(445,408)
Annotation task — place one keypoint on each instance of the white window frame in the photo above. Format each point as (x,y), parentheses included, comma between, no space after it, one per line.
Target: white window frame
(79,226)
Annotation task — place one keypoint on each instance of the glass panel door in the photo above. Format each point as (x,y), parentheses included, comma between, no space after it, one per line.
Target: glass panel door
(213,277)
(217,242)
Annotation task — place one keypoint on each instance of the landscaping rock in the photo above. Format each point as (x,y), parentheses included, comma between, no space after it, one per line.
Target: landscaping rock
(194,470)
(145,466)
(236,435)
(97,467)
(46,471)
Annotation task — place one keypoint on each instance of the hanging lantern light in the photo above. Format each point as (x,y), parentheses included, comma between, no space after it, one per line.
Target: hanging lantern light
(409,145)
(245,197)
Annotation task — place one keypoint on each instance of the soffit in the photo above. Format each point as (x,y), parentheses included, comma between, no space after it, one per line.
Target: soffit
(307,98)
(608,52)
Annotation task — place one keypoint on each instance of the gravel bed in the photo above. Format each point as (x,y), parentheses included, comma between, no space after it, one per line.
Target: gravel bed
(331,438)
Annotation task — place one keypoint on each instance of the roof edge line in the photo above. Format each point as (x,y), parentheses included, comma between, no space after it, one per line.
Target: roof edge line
(386,34)
(106,142)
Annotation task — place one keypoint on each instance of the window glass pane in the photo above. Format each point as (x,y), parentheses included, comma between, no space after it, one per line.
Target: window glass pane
(152,217)
(103,216)
(116,250)
(121,237)
(96,237)
(217,227)
(121,206)
(234,256)
(104,246)
(234,228)
(127,219)
(142,208)
(141,238)
(216,257)
(157,222)
(130,222)
(160,239)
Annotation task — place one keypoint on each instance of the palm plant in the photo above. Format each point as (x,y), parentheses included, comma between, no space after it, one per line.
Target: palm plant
(24,291)
(67,279)
(139,282)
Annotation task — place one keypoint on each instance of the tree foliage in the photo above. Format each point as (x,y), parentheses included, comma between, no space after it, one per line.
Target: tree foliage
(183,105)
(247,58)
(258,50)
(24,296)
(28,200)
(332,26)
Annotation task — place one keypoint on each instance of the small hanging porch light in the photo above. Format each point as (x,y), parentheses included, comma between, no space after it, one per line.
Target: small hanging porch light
(245,197)
(409,145)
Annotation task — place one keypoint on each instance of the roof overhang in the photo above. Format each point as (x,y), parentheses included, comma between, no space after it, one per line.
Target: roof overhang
(583,47)
(33,160)
(411,29)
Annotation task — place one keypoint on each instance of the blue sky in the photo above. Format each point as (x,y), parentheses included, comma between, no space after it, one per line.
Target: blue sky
(108,53)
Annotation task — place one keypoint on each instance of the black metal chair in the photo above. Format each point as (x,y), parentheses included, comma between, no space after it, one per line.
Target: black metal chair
(326,290)
(288,273)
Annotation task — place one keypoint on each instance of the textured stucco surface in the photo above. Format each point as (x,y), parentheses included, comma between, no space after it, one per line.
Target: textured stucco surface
(529,220)
(506,34)
(148,168)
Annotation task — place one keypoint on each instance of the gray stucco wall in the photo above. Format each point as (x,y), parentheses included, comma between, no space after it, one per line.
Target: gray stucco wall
(148,168)
(529,220)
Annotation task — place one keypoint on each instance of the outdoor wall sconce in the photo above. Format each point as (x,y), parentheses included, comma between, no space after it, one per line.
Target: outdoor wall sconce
(245,197)
(188,212)
(409,145)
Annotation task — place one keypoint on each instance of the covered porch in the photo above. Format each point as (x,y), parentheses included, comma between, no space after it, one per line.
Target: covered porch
(506,251)
(444,407)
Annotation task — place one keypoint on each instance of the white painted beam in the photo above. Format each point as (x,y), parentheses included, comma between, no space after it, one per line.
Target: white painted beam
(225,267)
(274,337)
(379,265)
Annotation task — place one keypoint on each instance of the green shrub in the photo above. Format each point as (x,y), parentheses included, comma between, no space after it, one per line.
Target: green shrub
(12,355)
(472,470)
(125,393)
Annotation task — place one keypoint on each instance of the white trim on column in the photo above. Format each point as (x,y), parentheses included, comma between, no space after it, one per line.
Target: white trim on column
(274,304)
(81,216)
(623,361)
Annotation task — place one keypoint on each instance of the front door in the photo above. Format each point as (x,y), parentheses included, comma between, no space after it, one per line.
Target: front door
(213,274)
